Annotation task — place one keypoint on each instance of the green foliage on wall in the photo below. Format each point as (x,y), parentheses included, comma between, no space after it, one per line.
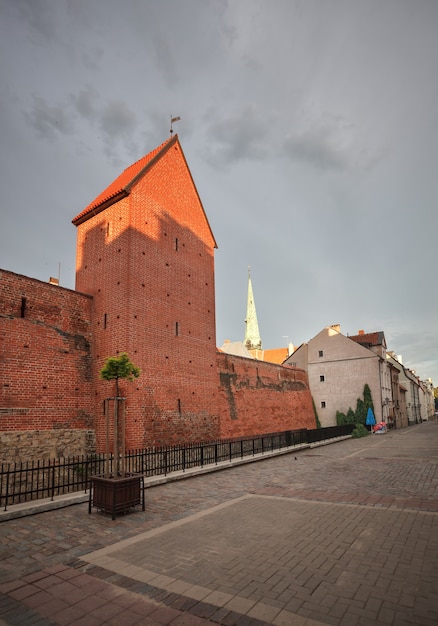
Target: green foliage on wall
(359,416)
(318,423)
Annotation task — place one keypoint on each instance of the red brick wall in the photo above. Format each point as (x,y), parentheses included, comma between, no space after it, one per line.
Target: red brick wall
(45,356)
(47,379)
(148,261)
(258,397)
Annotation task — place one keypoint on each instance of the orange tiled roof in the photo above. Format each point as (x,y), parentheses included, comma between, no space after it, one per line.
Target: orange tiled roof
(276,355)
(369,339)
(123,183)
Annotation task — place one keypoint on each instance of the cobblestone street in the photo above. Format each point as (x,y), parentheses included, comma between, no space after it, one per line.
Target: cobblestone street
(345,533)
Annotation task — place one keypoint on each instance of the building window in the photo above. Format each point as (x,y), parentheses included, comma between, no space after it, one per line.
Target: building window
(23,307)
(105,319)
(322,378)
(321,353)
(176,329)
(323,404)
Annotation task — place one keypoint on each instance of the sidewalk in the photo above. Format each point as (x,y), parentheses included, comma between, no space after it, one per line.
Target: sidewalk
(58,502)
(340,534)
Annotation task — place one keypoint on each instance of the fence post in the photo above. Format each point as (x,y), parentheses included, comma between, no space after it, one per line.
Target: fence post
(87,471)
(7,487)
(53,479)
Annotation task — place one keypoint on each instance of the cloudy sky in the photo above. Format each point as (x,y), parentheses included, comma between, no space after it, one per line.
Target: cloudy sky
(309,126)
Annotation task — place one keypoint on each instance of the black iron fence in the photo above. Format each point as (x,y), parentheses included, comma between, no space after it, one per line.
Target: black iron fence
(33,480)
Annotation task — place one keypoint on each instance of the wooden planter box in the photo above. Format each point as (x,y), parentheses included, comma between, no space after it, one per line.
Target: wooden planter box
(116,495)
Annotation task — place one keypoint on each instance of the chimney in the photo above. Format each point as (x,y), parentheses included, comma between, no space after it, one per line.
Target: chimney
(361,332)
(53,281)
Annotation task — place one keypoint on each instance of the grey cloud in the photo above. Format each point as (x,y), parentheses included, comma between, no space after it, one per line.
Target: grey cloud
(49,121)
(114,123)
(165,60)
(93,57)
(317,148)
(117,132)
(85,103)
(238,137)
(117,119)
(330,142)
(40,14)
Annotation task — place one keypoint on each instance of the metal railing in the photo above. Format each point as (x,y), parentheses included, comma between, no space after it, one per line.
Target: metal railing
(33,480)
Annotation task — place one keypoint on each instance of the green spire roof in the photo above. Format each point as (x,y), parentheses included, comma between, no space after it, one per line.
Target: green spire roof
(252,335)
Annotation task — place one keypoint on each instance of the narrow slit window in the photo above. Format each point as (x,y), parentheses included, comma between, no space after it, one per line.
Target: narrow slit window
(177,328)
(176,244)
(23,307)
(179,406)
(105,317)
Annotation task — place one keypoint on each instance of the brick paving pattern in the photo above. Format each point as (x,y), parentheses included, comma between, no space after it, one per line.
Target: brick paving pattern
(345,534)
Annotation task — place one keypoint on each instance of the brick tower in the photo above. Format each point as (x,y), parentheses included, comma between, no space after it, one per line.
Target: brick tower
(145,252)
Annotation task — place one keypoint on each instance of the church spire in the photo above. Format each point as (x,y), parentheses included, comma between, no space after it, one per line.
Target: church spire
(252,334)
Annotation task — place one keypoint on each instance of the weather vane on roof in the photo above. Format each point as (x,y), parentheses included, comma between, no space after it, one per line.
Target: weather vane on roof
(172,120)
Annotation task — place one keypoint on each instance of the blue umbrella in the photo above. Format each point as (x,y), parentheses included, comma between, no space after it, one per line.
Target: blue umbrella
(370,420)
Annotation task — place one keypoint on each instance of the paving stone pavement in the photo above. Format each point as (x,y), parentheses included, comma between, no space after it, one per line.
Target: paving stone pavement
(343,534)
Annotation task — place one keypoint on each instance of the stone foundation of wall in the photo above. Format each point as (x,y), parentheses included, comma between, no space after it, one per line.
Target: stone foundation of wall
(34,445)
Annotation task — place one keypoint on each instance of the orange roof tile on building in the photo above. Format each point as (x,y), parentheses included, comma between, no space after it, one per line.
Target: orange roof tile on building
(369,339)
(276,355)
(121,186)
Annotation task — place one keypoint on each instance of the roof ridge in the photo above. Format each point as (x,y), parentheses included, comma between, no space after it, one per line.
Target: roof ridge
(121,185)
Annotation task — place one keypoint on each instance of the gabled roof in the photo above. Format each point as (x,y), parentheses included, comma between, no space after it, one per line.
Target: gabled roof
(236,348)
(276,355)
(122,185)
(370,339)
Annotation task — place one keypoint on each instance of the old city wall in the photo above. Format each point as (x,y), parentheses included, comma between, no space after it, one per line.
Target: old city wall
(46,387)
(259,397)
(47,390)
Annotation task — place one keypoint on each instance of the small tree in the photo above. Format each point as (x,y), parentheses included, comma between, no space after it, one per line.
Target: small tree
(359,431)
(117,367)
(367,398)
(341,418)
(351,417)
(361,412)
